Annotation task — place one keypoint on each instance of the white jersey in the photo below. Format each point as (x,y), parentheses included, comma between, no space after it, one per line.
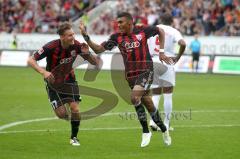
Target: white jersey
(164,75)
(172,36)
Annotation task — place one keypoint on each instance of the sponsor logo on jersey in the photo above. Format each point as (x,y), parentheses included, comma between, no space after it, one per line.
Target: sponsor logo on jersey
(66,60)
(131,45)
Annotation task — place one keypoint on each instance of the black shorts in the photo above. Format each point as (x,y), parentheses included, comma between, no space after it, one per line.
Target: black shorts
(195,56)
(143,79)
(64,94)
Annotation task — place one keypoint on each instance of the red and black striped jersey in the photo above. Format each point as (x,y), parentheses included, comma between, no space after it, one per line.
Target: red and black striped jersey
(59,58)
(134,49)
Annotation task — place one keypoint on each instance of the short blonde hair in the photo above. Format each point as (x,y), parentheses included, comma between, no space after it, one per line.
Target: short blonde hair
(63,27)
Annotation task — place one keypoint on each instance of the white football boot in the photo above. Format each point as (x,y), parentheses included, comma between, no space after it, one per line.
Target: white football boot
(166,138)
(74,142)
(146,138)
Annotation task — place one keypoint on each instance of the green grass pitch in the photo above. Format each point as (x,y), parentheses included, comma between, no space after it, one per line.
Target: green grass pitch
(206,121)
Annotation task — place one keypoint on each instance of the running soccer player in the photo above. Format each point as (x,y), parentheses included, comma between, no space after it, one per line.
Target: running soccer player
(61,85)
(132,44)
(164,79)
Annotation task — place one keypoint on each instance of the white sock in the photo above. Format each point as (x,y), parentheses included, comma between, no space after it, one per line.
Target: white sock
(167,108)
(155,99)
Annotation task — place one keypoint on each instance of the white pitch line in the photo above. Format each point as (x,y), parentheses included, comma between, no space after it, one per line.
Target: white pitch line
(177,111)
(118,128)
(211,111)
(111,114)
(24,122)
(207,126)
(55,130)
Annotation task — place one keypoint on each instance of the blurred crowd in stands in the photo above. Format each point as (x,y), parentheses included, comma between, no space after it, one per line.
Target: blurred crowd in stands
(204,17)
(41,16)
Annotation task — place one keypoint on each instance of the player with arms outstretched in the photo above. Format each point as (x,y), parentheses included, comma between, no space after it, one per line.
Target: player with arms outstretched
(61,85)
(132,44)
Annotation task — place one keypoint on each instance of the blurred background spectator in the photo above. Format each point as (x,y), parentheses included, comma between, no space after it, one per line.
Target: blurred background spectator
(203,17)
(41,16)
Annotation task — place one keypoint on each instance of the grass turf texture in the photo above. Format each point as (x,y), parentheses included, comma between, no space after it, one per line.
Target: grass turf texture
(210,130)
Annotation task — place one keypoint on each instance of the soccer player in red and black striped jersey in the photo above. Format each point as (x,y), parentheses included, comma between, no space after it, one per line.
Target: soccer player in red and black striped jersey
(59,75)
(132,43)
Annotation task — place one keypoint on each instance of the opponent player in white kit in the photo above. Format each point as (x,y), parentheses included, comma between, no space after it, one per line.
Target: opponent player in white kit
(164,77)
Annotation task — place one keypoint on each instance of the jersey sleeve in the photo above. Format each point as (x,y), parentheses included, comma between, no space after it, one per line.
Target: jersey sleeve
(153,45)
(78,48)
(177,36)
(110,43)
(151,31)
(41,53)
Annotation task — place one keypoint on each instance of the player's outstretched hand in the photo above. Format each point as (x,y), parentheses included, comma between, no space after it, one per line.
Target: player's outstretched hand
(164,58)
(85,48)
(82,28)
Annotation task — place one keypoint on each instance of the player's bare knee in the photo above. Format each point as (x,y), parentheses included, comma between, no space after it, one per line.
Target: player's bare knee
(74,109)
(135,100)
(62,115)
(167,89)
(156,91)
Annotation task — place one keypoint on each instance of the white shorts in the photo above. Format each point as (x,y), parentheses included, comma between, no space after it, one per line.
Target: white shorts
(164,74)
